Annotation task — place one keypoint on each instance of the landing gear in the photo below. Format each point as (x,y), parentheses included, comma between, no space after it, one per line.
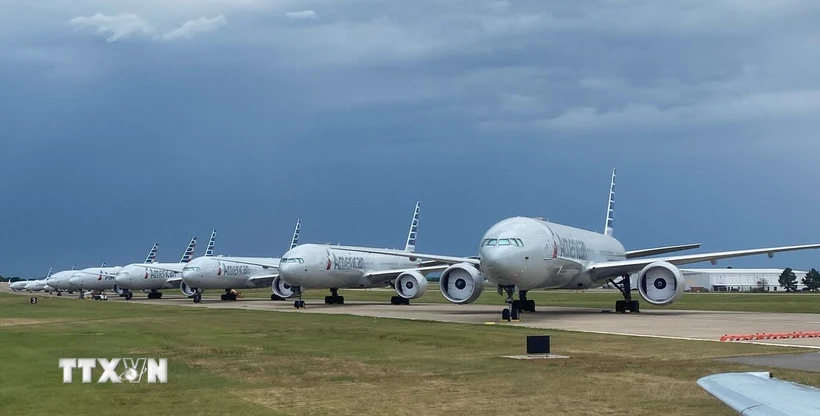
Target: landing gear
(398,300)
(151,295)
(627,304)
(515,306)
(228,295)
(197,297)
(334,298)
(59,293)
(274,296)
(129,295)
(298,304)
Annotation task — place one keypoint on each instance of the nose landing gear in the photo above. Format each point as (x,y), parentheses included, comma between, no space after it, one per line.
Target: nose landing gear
(515,306)
(298,304)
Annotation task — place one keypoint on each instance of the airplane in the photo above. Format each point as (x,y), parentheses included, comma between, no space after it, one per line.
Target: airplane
(228,273)
(18,285)
(149,276)
(523,253)
(39,284)
(760,394)
(94,278)
(60,281)
(327,266)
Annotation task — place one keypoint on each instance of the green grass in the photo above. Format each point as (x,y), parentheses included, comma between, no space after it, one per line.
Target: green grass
(740,302)
(262,363)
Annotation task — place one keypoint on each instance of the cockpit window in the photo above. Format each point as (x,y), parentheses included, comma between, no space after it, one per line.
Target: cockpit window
(292,260)
(191,268)
(520,242)
(491,242)
(503,241)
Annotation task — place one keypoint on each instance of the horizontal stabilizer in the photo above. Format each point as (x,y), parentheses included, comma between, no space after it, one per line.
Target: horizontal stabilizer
(660,250)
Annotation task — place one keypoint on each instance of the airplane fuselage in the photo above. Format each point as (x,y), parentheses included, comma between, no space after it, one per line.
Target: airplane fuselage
(539,254)
(222,273)
(19,285)
(93,278)
(318,266)
(60,280)
(144,277)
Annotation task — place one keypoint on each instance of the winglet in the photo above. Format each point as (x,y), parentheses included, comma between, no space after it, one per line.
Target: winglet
(294,241)
(414,225)
(152,255)
(189,251)
(209,251)
(610,207)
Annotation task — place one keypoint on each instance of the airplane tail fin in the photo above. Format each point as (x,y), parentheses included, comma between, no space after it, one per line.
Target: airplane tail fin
(102,265)
(74,267)
(610,207)
(152,255)
(209,251)
(414,225)
(295,240)
(189,251)
(50,269)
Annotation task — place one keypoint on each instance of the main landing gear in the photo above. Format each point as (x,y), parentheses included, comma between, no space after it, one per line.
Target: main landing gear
(153,294)
(398,300)
(515,306)
(334,298)
(298,304)
(625,286)
(229,294)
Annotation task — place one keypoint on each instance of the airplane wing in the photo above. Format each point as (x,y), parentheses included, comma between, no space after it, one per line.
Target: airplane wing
(659,250)
(379,275)
(620,267)
(263,280)
(174,280)
(401,253)
(97,274)
(758,394)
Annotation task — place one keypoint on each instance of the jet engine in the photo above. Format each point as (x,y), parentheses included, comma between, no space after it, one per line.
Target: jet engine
(280,288)
(461,283)
(660,283)
(187,290)
(411,285)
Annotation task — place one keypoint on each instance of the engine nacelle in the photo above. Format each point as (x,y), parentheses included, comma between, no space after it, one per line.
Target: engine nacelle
(280,288)
(187,290)
(660,283)
(461,283)
(411,285)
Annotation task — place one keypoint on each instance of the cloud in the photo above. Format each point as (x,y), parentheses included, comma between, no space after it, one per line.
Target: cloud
(304,14)
(193,27)
(118,26)
(122,26)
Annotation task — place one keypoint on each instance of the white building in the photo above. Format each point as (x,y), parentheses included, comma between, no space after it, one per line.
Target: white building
(732,280)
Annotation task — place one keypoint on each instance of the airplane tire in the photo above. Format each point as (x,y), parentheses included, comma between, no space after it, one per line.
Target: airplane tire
(634,306)
(620,306)
(129,295)
(505,314)
(514,314)
(530,306)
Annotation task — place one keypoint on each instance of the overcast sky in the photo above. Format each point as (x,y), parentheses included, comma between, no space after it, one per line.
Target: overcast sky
(124,123)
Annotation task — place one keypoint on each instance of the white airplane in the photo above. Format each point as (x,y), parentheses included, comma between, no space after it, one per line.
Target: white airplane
(150,276)
(226,272)
(39,284)
(18,285)
(325,266)
(522,253)
(94,278)
(60,281)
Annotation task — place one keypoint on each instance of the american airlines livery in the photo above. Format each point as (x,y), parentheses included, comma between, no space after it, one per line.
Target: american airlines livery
(94,278)
(326,266)
(150,276)
(36,285)
(522,253)
(227,273)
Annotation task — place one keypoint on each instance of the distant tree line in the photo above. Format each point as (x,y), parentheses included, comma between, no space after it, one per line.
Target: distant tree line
(788,280)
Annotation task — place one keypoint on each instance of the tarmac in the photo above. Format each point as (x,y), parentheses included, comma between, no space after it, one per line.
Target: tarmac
(658,323)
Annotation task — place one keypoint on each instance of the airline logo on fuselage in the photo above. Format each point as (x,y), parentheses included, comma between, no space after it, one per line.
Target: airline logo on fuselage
(235,269)
(348,263)
(573,249)
(160,274)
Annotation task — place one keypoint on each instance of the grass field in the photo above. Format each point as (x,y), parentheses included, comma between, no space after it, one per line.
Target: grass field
(263,363)
(604,299)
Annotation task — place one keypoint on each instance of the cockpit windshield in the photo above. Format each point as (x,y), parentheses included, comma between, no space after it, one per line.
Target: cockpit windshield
(292,260)
(489,242)
(191,269)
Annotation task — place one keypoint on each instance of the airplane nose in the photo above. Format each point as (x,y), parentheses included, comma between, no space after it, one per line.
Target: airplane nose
(120,279)
(497,263)
(75,281)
